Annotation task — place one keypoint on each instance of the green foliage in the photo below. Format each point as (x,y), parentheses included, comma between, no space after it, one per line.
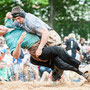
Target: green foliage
(68,18)
(44,2)
(5,6)
(68,14)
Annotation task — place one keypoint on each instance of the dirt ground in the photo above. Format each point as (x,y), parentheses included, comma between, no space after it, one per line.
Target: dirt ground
(42,86)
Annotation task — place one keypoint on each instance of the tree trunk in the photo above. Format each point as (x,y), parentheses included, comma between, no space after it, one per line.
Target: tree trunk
(51,12)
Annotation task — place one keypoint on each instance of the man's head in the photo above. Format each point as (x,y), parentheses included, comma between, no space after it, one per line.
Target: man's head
(71,35)
(3,52)
(82,41)
(18,14)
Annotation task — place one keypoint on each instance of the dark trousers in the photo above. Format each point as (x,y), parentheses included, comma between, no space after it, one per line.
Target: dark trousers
(59,57)
(73,55)
(50,53)
(54,51)
(65,66)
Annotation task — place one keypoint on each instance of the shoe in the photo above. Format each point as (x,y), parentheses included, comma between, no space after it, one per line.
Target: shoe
(87,74)
(56,74)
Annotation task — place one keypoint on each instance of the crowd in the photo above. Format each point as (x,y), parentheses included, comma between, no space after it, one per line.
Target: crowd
(14,70)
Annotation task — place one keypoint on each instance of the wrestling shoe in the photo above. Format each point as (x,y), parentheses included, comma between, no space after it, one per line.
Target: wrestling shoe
(87,73)
(56,74)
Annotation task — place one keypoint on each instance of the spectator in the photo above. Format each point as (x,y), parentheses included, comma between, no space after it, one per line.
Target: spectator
(7,58)
(4,71)
(26,72)
(71,45)
(3,52)
(82,45)
(16,67)
(86,58)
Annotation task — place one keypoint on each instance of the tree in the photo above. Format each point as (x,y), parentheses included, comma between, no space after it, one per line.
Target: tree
(70,17)
(5,6)
(65,16)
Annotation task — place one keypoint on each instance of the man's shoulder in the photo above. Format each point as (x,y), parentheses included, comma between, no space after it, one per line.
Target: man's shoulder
(30,19)
(29,15)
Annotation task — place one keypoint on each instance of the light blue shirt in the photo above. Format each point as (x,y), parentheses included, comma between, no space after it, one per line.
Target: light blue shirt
(32,24)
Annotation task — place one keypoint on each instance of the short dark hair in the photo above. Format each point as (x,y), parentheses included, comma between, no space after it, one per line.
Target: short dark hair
(17,11)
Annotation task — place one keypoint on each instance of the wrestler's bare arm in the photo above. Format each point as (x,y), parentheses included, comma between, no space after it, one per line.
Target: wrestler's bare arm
(44,39)
(4,30)
(16,53)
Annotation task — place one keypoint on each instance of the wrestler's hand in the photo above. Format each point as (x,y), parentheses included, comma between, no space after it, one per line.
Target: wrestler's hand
(21,38)
(8,15)
(38,52)
(3,30)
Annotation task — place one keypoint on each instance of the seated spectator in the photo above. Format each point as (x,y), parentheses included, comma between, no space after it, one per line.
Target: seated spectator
(35,71)
(16,67)
(27,75)
(4,72)
(82,45)
(7,58)
(86,58)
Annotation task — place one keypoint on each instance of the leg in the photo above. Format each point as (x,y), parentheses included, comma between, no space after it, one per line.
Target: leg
(51,52)
(16,71)
(66,57)
(68,63)
(65,66)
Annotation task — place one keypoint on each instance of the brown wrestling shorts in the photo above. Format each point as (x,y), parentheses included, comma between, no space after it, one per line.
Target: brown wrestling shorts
(32,51)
